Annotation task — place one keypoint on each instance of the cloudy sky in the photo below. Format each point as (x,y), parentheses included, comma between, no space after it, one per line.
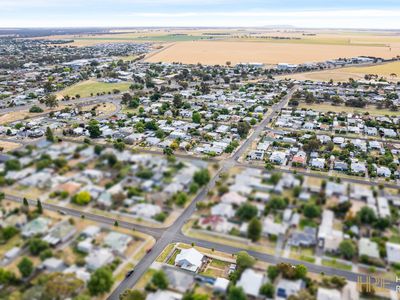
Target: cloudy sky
(380,14)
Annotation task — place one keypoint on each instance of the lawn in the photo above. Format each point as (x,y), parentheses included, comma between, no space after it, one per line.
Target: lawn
(88,87)
(171,260)
(335,264)
(163,256)
(219,263)
(141,284)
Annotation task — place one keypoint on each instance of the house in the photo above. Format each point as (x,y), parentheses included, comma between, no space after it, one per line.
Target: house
(37,226)
(233,198)
(145,210)
(178,280)
(60,233)
(223,209)
(393,253)
(164,295)
(98,258)
(328,294)
(383,172)
(358,168)
(318,163)
(383,207)
(340,166)
(85,246)
(305,238)
(221,285)
(91,231)
(286,288)
(251,282)
(272,228)
(189,259)
(52,264)
(330,237)
(278,157)
(368,248)
(118,242)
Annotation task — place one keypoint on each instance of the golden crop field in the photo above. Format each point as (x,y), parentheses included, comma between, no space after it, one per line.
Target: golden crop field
(390,71)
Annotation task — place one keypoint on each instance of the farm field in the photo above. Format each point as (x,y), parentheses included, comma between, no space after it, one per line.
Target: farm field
(86,88)
(327,107)
(219,52)
(382,70)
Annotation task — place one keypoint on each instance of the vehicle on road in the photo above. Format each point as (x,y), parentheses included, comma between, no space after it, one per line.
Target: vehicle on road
(129,273)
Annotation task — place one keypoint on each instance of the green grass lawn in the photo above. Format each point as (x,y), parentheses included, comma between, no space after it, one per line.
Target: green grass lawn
(88,87)
(165,253)
(219,263)
(335,264)
(171,260)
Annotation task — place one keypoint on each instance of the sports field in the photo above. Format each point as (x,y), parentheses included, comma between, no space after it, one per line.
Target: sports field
(88,87)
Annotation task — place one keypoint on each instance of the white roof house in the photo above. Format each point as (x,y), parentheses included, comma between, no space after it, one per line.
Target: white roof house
(189,259)
(286,288)
(393,252)
(221,284)
(223,209)
(233,198)
(145,210)
(164,295)
(98,258)
(368,248)
(328,294)
(250,282)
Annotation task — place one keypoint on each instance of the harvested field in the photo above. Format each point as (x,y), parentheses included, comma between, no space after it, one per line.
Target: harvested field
(219,52)
(321,107)
(8,146)
(382,70)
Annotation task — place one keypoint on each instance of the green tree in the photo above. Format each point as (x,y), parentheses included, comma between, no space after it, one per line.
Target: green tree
(94,129)
(244,260)
(311,211)
(82,198)
(366,215)
(272,273)
(49,134)
(37,245)
(51,101)
(6,277)
(236,293)
(201,177)
(243,128)
(25,267)
(160,280)
(347,249)
(100,281)
(193,296)
(254,229)
(39,207)
(196,117)
(246,212)
(268,290)
(60,286)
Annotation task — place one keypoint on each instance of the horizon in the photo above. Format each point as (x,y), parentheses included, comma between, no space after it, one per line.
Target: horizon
(220,13)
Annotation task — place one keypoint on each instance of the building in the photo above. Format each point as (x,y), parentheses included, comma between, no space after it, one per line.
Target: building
(393,253)
(189,259)
(286,288)
(251,282)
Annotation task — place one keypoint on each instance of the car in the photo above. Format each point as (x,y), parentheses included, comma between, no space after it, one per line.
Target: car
(129,273)
(61,212)
(149,250)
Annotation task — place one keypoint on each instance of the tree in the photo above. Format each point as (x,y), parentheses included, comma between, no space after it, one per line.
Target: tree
(347,249)
(6,277)
(366,215)
(132,295)
(82,198)
(160,280)
(61,286)
(201,177)
(236,293)
(268,290)
(177,102)
(94,129)
(196,117)
(246,212)
(98,149)
(244,260)
(193,296)
(312,145)
(39,206)
(49,134)
(25,267)
(311,211)
(100,281)
(51,101)
(254,229)
(126,98)
(243,128)
(272,273)
(37,245)
(25,202)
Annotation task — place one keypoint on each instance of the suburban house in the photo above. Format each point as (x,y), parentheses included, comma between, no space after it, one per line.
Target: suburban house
(189,259)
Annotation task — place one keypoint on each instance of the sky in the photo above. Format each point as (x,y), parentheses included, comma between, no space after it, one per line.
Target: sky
(378,14)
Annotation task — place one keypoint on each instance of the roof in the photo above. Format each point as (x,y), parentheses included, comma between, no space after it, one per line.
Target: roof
(189,259)
(250,282)
(221,284)
(393,252)
(164,295)
(368,248)
(328,294)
